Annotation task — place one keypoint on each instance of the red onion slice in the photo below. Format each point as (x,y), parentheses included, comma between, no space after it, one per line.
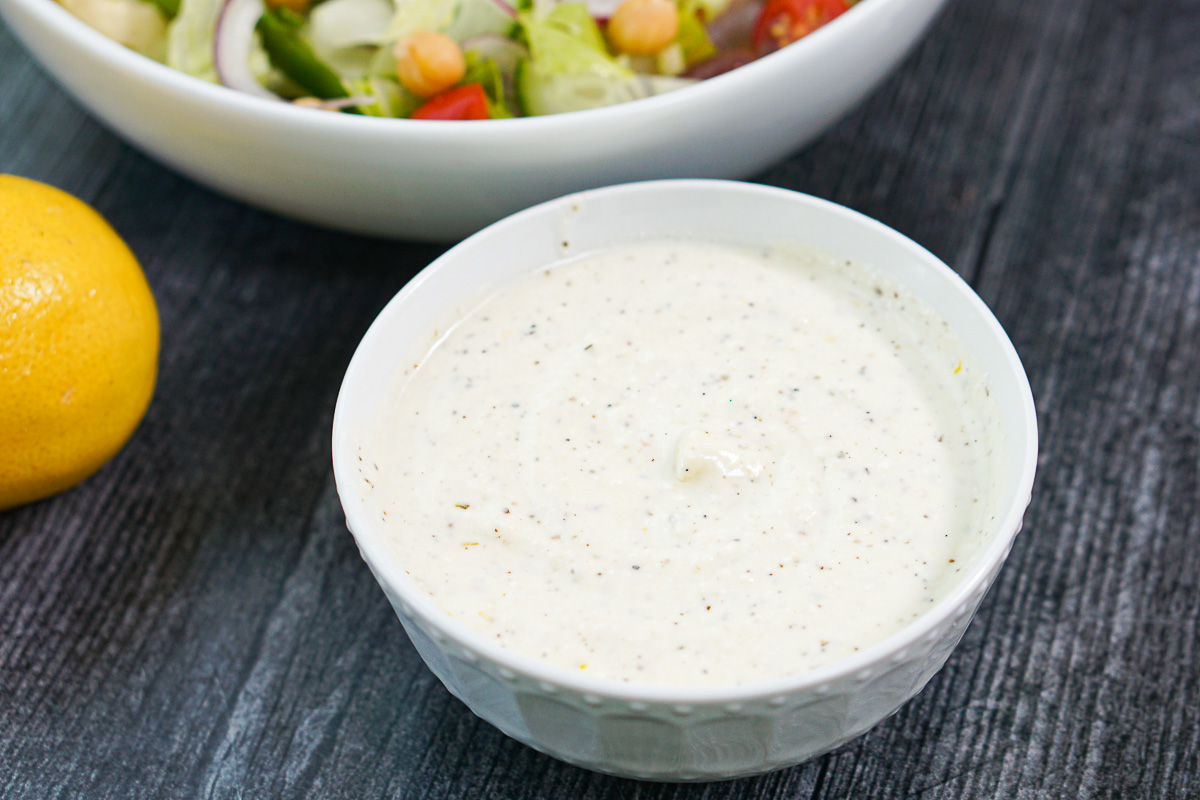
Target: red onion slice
(734,27)
(506,8)
(231,46)
(721,63)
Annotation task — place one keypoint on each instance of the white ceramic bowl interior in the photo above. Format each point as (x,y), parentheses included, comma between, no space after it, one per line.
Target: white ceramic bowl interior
(444,180)
(658,732)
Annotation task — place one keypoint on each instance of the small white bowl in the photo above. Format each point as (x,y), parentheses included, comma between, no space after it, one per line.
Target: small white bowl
(443,180)
(663,732)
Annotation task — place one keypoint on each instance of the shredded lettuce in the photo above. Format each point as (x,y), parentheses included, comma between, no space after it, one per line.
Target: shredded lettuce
(337,24)
(420,15)
(486,72)
(476,17)
(138,25)
(458,19)
(391,99)
(538,9)
(671,60)
(568,41)
(345,34)
(552,58)
(650,85)
(568,68)
(190,38)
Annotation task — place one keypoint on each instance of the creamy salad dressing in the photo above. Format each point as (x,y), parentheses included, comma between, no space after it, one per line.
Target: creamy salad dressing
(683,463)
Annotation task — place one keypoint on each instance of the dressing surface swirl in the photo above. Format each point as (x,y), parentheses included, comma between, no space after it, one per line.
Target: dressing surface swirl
(685,464)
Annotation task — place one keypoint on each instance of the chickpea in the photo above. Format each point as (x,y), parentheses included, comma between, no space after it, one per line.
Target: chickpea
(643,27)
(428,63)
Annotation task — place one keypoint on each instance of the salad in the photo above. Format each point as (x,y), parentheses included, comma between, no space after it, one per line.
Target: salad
(455,59)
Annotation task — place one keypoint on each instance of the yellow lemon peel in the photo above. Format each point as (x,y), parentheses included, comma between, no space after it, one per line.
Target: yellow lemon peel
(78,341)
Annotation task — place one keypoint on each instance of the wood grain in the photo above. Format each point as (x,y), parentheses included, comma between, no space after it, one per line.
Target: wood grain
(194,621)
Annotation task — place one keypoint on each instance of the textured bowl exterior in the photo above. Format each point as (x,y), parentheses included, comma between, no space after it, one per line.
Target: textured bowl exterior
(443,180)
(665,732)
(696,741)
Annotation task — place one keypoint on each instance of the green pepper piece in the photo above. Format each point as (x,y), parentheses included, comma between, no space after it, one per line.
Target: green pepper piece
(692,36)
(292,56)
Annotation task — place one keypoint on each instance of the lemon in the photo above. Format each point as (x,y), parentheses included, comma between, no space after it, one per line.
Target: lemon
(78,341)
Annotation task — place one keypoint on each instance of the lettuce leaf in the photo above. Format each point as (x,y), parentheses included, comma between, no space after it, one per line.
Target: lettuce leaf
(190,38)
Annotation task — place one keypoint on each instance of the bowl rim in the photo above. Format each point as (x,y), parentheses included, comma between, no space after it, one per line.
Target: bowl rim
(835,35)
(427,611)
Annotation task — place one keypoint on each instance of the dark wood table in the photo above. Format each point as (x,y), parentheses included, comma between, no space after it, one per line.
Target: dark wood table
(195,621)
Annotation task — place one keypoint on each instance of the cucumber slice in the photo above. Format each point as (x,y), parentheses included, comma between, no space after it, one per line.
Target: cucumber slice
(568,68)
(539,93)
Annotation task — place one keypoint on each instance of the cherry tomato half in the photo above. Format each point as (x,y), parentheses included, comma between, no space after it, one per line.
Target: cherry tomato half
(784,21)
(465,102)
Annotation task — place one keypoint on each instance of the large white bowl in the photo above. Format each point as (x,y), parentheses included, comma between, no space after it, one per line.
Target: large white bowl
(657,732)
(444,180)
